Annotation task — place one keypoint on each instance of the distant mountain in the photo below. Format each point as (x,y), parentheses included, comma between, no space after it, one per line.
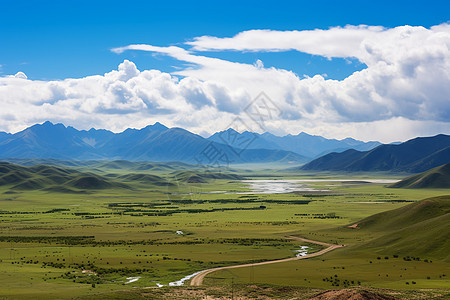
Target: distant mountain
(152,143)
(416,155)
(304,144)
(54,141)
(4,136)
(438,177)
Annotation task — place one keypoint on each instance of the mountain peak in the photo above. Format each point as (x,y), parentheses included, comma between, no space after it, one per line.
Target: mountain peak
(155,127)
(47,123)
(158,125)
(231,130)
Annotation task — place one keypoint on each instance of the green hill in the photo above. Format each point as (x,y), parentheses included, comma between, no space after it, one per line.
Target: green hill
(146,179)
(70,180)
(420,229)
(51,178)
(427,239)
(202,177)
(438,177)
(90,182)
(102,165)
(407,215)
(30,184)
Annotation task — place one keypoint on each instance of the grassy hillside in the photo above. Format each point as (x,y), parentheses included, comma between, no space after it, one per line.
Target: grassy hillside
(115,165)
(429,239)
(51,178)
(146,179)
(421,229)
(407,215)
(59,179)
(438,177)
(202,177)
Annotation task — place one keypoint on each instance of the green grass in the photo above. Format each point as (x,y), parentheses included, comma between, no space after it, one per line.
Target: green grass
(132,232)
(357,270)
(438,177)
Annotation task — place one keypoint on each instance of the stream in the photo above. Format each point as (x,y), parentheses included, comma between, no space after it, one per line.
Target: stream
(300,252)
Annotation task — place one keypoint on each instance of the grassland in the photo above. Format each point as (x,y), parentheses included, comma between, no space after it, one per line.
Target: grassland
(59,243)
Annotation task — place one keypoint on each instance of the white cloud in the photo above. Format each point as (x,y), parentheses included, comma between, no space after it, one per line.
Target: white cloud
(407,74)
(117,100)
(21,75)
(402,93)
(334,42)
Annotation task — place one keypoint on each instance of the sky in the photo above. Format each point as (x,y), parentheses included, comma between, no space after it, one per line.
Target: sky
(371,70)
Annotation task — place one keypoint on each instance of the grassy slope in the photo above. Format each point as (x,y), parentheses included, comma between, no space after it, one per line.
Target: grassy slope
(408,215)
(421,229)
(58,179)
(203,177)
(438,177)
(426,239)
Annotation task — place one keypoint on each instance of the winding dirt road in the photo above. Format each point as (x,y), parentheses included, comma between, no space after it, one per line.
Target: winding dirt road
(197,280)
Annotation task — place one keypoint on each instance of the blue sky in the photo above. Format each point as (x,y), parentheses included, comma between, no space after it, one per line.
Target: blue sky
(60,39)
(335,68)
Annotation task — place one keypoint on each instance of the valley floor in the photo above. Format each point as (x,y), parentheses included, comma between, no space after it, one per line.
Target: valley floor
(56,245)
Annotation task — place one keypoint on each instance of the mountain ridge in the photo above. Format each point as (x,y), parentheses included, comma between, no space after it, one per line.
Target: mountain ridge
(413,156)
(152,143)
(307,145)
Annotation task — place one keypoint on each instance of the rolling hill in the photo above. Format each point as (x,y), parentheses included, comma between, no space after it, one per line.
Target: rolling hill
(113,165)
(438,177)
(201,177)
(59,179)
(146,179)
(51,178)
(420,229)
(152,143)
(413,156)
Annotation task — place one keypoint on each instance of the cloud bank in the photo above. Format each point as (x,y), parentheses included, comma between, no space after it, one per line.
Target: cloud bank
(405,86)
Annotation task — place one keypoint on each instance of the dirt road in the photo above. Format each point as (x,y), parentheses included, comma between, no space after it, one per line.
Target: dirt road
(198,279)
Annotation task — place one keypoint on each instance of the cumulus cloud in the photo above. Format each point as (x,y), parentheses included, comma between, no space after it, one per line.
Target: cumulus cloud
(407,74)
(122,98)
(405,86)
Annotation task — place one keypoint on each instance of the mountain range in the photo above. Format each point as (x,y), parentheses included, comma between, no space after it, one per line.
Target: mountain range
(310,146)
(160,143)
(152,143)
(413,156)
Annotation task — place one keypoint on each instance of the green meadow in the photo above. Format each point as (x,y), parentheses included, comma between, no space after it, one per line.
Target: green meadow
(112,228)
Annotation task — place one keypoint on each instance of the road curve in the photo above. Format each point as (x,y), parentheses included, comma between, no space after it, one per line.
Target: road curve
(197,280)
